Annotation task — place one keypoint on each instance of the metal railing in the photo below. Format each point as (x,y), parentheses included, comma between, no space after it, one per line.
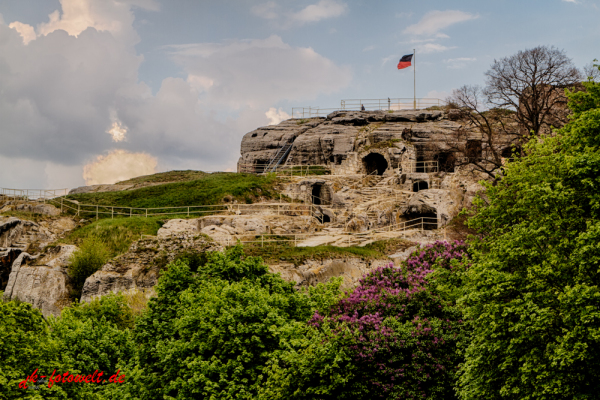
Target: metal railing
(286,170)
(419,224)
(97,211)
(311,112)
(390,104)
(33,194)
(423,167)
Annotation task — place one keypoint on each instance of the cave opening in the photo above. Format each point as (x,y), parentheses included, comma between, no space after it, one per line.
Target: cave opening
(428,221)
(446,161)
(420,185)
(320,194)
(375,162)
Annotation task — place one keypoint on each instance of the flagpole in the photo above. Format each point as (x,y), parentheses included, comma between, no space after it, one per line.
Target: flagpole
(415,79)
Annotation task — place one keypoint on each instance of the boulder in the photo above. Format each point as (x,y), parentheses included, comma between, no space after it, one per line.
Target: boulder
(140,267)
(42,281)
(175,226)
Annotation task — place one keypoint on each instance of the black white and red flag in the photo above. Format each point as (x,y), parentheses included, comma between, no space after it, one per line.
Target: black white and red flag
(405,61)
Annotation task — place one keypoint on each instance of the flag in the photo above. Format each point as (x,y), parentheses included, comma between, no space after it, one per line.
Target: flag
(405,61)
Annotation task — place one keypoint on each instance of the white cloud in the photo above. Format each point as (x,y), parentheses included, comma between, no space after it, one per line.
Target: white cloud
(276,116)
(369,48)
(114,16)
(118,165)
(457,63)
(571,1)
(62,93)
(26,31)
(324,9)
(435,21)
(432,48)
(118,131)
(259,72)
(269,10)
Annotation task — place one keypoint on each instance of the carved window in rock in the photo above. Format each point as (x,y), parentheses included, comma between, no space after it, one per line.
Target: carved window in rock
(446,161)
(474,150)
(420,185)
(321,194)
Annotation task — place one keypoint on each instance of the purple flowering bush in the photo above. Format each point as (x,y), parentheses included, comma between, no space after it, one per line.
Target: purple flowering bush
(395,336)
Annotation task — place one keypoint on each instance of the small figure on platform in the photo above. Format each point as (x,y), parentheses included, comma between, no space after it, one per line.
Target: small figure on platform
(362,107)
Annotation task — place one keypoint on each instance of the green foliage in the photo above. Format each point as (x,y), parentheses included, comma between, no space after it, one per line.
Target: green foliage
(208,190)
(275,252)
(89,258)
(116,234)
(394,336)
(533,294)
(24,347)
(92,337)
(211,334)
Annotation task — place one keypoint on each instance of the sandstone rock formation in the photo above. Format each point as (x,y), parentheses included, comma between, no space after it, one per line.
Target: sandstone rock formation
(41,280)
(139,268)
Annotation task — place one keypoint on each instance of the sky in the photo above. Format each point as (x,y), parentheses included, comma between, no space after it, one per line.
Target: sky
(97,91)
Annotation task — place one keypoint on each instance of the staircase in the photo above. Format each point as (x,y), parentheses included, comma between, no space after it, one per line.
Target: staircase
(280,156)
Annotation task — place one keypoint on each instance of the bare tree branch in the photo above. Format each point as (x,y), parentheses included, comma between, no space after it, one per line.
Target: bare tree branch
(532,83)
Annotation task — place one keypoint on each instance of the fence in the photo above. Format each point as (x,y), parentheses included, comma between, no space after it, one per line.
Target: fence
(286,170)
(33,194)
(424,166)
(390,104)
(419,224)
(97,211)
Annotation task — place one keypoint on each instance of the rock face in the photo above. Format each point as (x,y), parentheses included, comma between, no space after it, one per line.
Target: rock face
(320,271)
(227,229)
(342,137)
(42,280)
(139,268)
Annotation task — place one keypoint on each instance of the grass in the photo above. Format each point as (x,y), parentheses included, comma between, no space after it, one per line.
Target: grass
(116,234)
(277,252)
(89,258)
(165,177)
(208,190)
(35,217)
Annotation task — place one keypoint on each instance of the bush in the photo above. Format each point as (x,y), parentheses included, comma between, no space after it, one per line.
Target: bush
(395,336)
(89,258)
(211,334)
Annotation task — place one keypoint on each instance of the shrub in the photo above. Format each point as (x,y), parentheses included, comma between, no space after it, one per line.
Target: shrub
(395,336)
(89,258)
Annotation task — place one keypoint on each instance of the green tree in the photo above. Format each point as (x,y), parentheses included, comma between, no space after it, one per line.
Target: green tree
(534,287)
(93,337)
(25,346)
(210,334)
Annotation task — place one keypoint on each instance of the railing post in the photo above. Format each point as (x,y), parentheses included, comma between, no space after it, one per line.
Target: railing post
(130,212)
(188,212)
(61,205)
(96,213)
(146,213)
(112,213)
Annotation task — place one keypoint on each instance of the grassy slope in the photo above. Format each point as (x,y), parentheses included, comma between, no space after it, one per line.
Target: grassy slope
(117,234)
(277,252)
(210,189)
(165,177)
